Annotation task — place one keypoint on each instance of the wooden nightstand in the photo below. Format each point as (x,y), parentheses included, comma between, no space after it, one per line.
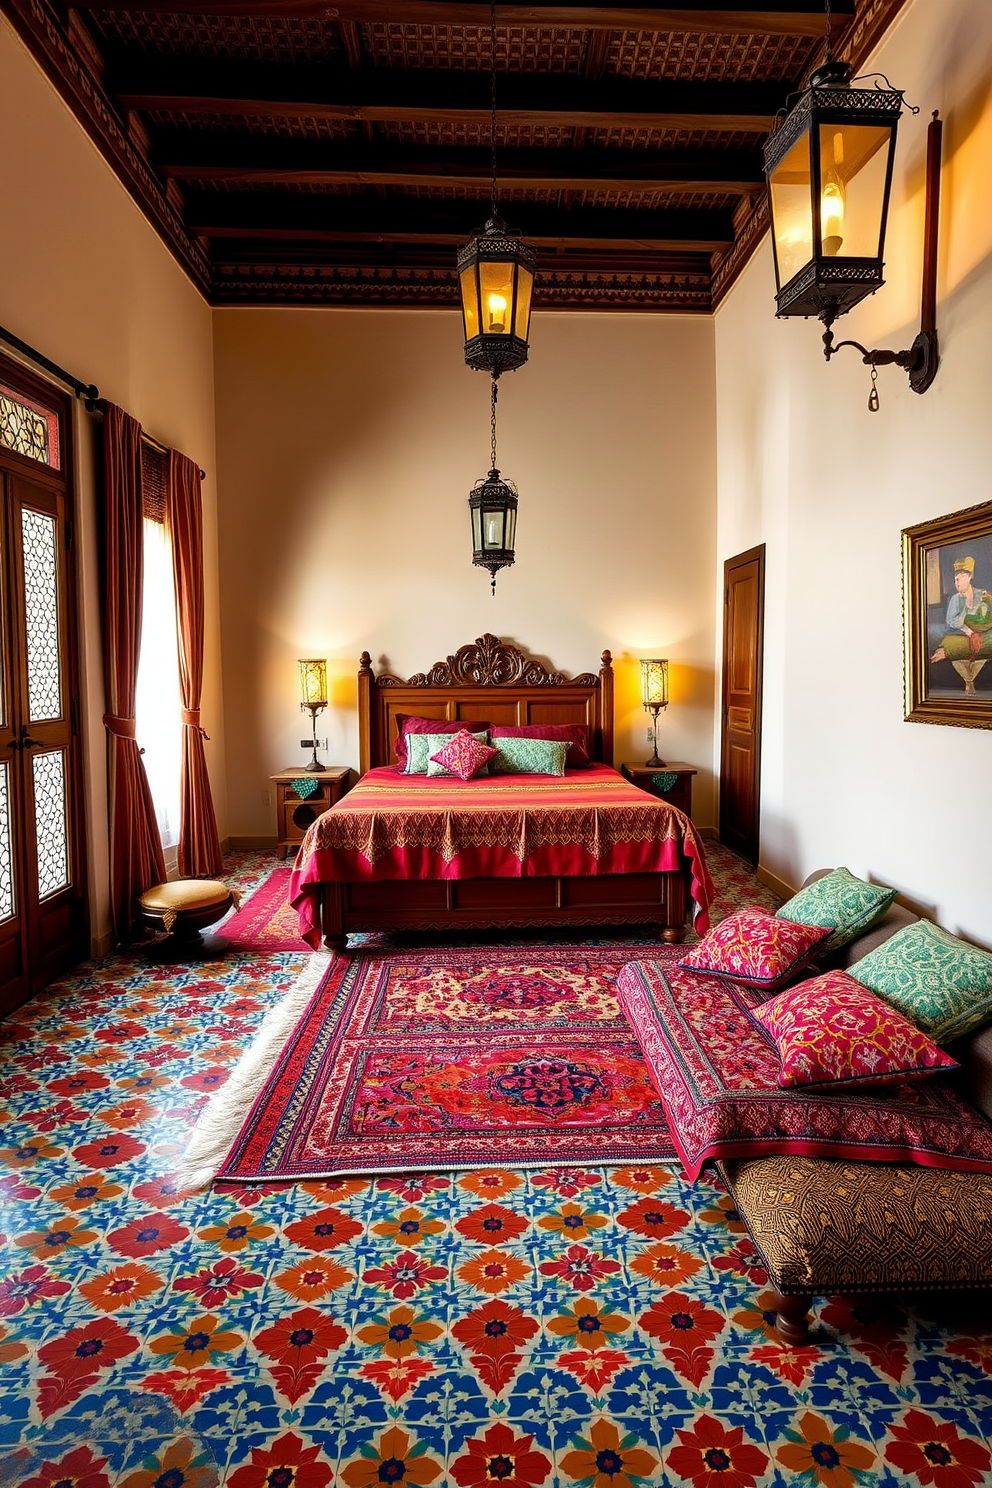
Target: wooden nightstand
(294,813)
(679,794)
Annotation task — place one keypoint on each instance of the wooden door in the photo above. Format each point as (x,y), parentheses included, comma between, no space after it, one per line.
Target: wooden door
(43,909)
(740,752)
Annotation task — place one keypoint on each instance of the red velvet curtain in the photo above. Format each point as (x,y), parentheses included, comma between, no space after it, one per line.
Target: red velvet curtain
(199,845)
(136,860)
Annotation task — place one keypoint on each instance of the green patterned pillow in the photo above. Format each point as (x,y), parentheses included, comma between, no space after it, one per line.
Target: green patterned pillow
(420,747)
(840,900)
(529,756)
(940,983)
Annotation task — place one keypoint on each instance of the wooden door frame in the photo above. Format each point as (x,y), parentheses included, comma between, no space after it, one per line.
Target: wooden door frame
(61,481)
(752,555)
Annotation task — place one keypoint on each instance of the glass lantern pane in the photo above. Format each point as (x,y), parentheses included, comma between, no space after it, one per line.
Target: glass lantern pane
(29,428)
(41,615)
(792,223)
(476,529)
(492,529)
(496,284)
(853,162)
(50,822)
(470,309)
(525,286)
(511,528)
(6,846)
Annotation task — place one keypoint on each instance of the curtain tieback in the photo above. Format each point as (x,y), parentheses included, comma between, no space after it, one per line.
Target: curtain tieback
(191,717)
(121,728)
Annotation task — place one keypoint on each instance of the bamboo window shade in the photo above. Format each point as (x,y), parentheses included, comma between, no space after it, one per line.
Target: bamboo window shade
(154,481)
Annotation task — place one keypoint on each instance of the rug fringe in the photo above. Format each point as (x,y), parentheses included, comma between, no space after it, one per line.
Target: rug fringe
(222,1118)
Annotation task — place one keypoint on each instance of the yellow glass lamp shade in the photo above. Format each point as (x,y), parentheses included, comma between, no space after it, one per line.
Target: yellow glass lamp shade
(829,171)
(654,683)
(313,683)
(496,279)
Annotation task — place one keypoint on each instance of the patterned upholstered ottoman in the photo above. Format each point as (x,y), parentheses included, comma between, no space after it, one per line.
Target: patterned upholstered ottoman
(824,1227)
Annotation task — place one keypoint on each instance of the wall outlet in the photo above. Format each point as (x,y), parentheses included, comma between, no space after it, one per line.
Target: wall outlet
(649,736)
(308,744)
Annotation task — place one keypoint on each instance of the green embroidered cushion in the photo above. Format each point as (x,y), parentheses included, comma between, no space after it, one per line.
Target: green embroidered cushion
(941,983)
(847,904)
(529,756)
(420,747)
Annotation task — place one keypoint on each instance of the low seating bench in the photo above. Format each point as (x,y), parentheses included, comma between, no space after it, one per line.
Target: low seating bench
(826,1226)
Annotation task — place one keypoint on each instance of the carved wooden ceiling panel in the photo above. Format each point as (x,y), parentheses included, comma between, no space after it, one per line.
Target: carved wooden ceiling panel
(295,151)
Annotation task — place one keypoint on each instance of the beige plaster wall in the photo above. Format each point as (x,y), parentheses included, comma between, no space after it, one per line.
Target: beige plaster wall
(86,280)
(347,444)
(827,486)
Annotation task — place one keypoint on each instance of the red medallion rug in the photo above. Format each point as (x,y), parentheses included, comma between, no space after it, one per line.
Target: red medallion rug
(448,1059)
(267,922)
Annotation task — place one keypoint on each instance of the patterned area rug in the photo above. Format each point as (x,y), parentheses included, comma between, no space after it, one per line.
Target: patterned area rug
(611,1333)
(267,922)
(447,1059)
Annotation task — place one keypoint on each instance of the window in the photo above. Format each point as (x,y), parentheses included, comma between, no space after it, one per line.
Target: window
(29,428)
(158,705)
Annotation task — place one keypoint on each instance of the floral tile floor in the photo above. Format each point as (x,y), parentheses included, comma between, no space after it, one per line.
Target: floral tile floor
(366,1332)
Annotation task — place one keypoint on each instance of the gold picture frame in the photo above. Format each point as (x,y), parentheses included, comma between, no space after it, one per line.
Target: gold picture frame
(947,618)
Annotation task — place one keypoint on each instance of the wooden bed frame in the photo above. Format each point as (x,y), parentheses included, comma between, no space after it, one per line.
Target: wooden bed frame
(495,681)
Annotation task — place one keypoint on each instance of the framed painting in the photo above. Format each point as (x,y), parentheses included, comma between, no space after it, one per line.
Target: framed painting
(947,614)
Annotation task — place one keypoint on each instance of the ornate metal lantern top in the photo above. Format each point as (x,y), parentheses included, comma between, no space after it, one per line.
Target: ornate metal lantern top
(829,172)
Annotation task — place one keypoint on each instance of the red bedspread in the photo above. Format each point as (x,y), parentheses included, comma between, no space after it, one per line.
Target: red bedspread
(394,826)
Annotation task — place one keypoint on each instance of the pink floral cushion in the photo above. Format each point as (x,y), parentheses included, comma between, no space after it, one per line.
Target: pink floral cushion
(756,948)
(464,756)
(831,1029)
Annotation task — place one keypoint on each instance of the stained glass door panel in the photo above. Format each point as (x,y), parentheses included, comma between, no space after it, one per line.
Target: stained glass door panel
(50,823)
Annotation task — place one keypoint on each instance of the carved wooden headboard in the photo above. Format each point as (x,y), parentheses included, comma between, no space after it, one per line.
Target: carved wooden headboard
(489,680)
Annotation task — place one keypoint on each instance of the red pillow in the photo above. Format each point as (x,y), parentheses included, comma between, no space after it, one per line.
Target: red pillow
(407,723)
(577,734)
(756,948)
(831,1029)
(465,756)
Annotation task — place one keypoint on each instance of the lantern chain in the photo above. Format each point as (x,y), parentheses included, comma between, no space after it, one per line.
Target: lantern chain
(492,95)
(830,52)
(492,421)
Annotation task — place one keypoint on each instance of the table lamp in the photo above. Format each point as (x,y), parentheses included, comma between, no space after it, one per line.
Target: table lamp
(313,695)
(654,695)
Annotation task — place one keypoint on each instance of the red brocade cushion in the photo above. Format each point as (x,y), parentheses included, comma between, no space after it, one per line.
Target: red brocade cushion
(830,1029)
(717,1072)
(464,756)
(407,723)
(756,948)
(577,735)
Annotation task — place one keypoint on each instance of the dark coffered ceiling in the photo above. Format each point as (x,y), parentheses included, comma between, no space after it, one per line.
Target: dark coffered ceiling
(295,151)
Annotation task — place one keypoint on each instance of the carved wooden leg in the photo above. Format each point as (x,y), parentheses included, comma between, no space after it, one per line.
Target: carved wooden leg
(335,936)
(336,943)
(672,934)
(792,1318)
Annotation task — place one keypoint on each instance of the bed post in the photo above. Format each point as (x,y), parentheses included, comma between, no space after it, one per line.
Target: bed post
(365,684)
(606,707)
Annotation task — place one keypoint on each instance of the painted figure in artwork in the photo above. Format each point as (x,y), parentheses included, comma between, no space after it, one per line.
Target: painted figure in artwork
(967,642)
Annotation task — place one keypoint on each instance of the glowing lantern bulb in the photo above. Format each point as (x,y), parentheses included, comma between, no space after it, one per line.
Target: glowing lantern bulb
(497,312)
(832,215)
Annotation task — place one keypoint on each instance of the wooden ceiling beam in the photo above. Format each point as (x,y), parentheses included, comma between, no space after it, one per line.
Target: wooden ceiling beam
(218,157)
(367,220)
(707,17)
(416,95)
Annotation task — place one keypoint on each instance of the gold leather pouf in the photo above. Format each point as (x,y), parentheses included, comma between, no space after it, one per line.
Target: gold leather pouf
(182,908)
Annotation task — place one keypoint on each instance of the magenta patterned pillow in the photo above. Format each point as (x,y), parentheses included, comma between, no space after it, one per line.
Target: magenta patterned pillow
(464,756)
(756,948)
(831,1029)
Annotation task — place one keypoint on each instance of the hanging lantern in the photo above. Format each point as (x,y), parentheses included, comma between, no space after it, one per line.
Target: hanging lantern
(496,276)
(493,508)
(829,173)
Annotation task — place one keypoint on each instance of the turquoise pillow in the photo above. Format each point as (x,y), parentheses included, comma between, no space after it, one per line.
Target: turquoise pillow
(529,756)
(940,983)
(847,904)
(420,747)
